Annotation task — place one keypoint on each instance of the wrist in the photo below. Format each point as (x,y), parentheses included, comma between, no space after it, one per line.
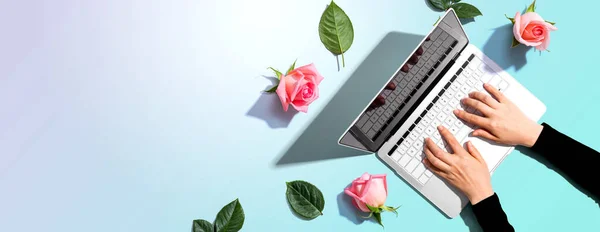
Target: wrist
(479,196)
(533,135)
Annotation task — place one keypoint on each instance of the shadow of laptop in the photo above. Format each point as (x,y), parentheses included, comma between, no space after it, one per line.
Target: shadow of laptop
(319,141)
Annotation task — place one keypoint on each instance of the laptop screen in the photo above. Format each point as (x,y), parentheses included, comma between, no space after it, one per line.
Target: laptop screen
(394,103)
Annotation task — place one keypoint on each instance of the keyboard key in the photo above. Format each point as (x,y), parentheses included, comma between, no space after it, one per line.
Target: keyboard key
(413,136)
(428,173)
(436,123)
(412,151)
(486,77)
(441,117)
(441,144)
(458,123)
(412,165)
(419,128)
(419,170)
(465,89)
(455,86)
(495,81)
(371,133)
(361,122)
(426,120)
(396,156)
(423,179)
(418,144)
(437,107)
(459,96)
(450,120)
(404,160)
(462,133)
(461,79)
(503,86)
(367,126)
(430,130)
(431,115)
(454,129)
(473,82)
(448,110)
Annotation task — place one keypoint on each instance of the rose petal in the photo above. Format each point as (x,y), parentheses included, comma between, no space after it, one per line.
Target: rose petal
(527,18)
(298,82)
(282,93)
(311,70)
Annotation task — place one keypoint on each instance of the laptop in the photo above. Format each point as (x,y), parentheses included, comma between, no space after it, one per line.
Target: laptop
(448,69)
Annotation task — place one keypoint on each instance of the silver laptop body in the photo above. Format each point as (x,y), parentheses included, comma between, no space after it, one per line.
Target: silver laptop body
(448,69)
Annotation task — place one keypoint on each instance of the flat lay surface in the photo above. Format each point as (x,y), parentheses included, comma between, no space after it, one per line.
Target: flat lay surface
(145,115)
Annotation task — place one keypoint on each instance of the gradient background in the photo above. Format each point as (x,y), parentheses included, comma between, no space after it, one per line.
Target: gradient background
(131,115)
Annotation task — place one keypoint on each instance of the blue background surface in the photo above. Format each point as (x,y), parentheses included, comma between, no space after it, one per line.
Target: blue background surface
(130,115)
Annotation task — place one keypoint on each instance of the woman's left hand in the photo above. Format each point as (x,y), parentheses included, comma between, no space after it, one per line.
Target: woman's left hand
(465,169)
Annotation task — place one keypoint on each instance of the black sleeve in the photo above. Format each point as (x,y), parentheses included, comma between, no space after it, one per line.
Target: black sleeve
(575,160)
(490,215)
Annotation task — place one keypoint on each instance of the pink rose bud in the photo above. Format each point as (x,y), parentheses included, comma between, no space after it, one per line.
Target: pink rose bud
(368,190)
(530,29)
(299,88)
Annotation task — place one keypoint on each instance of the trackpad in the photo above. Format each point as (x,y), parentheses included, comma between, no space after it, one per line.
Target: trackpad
(493,153)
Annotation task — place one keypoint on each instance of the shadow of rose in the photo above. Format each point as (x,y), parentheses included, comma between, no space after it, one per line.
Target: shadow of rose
(498,48)
(268,108)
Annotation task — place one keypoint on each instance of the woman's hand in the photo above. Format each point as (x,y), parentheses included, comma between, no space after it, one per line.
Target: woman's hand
(501,120)
(465,169)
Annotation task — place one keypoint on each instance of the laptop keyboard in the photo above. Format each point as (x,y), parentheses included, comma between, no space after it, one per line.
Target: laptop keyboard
(374,122)
(409,150)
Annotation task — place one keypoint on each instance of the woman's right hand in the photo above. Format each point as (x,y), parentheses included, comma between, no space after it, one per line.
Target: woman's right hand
(501,121)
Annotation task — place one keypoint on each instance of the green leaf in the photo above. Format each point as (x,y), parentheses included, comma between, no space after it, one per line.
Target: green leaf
(550,22)
(272,89)
(515,42)
(305,199)
(336,31)
(230,218)
(277,72)
(512,20)
(531,7)
(378,218)
(439,4)
(465,10)
(202,226)
(291,68)
(374,209)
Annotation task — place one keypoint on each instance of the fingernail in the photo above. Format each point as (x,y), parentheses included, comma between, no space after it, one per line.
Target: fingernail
(456,111)
(440,127)
(486,84)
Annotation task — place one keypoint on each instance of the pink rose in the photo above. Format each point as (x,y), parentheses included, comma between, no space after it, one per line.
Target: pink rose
(368,190)
(299,88)
(530,29)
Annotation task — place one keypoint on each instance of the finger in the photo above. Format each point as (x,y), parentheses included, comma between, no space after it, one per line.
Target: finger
(414,59)
(433,168)
(472,118)
(390,86)
(435,162)
(437,152)
(404,68)
(474,152)
(427,39)
(484,134)
(450,139)
(379,101)
(419,51)
(478,105)
(487,99)
(495,92)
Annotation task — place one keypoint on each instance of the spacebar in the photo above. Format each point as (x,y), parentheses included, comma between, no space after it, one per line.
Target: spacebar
(461,135)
